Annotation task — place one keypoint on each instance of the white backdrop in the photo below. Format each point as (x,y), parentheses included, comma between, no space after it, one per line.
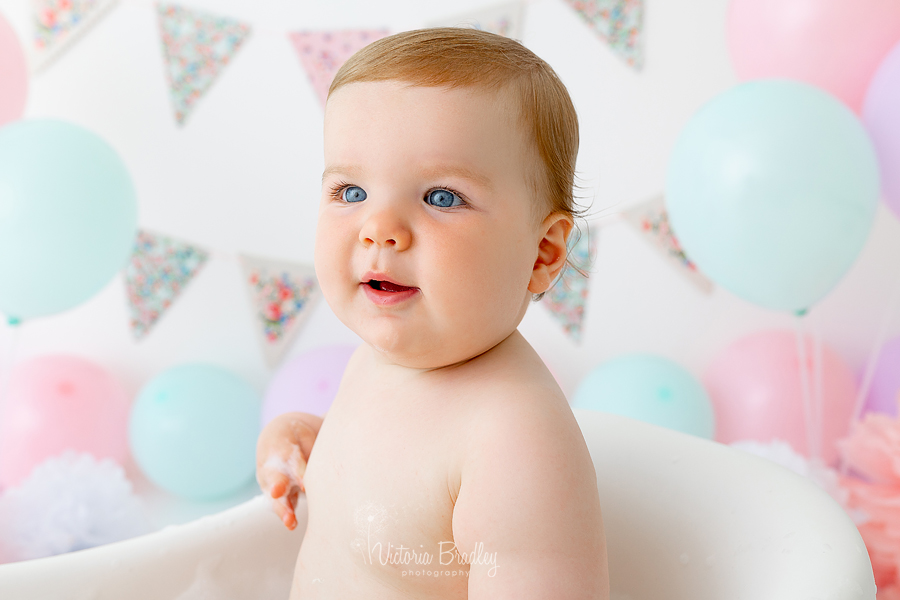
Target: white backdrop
(243,176)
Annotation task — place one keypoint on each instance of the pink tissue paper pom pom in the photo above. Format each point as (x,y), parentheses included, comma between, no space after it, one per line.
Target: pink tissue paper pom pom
(873,450)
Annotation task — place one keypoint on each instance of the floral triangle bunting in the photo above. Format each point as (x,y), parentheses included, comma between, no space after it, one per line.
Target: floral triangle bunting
(282,295)
(504,19)
(566,300)
(651,221)
(197,46)
(323,52)
(59,22)
(619,23)
(159,269)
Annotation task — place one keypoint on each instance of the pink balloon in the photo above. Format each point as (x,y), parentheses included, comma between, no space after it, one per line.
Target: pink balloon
(307,383)
(882,121)
(756,392)
(55,403)
(13,74)
(833,44)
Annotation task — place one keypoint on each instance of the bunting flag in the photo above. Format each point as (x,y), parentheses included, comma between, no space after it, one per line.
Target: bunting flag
(619,23)
(503,19)
(159,269)
(197,46)
(282,295)
(566,300)
(323,52)
(59,22)
(651,221)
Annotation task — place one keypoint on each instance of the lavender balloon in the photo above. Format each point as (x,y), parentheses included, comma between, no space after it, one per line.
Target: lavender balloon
(882,120)
(885,387)
(307,383)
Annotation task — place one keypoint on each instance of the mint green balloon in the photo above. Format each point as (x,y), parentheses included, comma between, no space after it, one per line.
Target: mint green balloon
(68,217)
(648,388)
(771,190)
(193,431)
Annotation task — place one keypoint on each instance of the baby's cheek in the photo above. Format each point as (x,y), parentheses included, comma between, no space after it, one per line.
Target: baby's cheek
(330,253)
(333,286)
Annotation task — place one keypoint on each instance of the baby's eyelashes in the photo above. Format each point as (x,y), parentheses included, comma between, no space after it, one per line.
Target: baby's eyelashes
(353,193)
(345,192)
(443,198)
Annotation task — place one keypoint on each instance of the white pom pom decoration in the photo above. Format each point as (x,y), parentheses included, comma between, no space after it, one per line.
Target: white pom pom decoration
(69,502)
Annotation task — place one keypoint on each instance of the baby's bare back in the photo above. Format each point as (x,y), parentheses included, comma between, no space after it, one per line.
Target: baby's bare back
(385,473)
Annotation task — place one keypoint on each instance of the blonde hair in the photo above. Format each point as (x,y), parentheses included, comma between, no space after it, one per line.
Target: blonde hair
(459,57)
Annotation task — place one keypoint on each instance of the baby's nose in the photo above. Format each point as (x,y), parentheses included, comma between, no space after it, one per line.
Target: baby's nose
(386,229)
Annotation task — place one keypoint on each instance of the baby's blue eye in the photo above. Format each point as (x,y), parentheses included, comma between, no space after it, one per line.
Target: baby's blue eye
(353,194)
(443,199)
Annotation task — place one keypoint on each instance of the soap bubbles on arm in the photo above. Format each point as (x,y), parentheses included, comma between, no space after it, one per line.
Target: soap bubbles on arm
(282,452)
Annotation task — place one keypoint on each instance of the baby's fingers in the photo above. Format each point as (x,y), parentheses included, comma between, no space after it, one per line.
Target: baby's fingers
(280,484)
(273,482)
(280,508)
(284,507)
(284,492)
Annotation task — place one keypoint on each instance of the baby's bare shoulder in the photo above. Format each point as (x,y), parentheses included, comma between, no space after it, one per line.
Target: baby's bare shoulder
(527,423)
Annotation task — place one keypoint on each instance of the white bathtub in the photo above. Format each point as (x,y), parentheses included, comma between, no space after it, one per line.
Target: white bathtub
(685,518)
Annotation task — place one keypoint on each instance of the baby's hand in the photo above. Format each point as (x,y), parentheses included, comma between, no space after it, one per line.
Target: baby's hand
(281,454)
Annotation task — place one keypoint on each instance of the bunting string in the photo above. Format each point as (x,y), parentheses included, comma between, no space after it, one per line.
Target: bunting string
(196,47)
(865,386)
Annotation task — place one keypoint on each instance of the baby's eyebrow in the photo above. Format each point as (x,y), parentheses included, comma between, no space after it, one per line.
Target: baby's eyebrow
(457,171)
(435,172)
(346,170)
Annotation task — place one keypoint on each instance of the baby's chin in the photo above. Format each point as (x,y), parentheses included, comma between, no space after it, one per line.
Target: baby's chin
(430,354)
(420,364)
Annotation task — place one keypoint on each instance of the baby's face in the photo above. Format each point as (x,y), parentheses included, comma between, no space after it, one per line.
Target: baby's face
(426,188)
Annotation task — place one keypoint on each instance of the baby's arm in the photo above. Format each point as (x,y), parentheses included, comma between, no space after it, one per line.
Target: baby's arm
(282,451)
(528,496)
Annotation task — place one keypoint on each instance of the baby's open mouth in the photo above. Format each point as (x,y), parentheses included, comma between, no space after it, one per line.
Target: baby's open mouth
(387,286)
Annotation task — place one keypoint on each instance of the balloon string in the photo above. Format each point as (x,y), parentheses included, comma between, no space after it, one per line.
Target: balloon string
(804,385)
(869,373)
(818,392)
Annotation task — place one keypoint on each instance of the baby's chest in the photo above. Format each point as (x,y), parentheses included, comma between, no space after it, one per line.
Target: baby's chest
(385,492)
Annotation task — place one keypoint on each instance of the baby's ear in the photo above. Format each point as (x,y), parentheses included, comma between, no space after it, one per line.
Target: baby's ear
(551,256)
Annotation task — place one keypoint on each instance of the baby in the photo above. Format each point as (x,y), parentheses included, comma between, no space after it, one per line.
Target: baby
(450,464)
